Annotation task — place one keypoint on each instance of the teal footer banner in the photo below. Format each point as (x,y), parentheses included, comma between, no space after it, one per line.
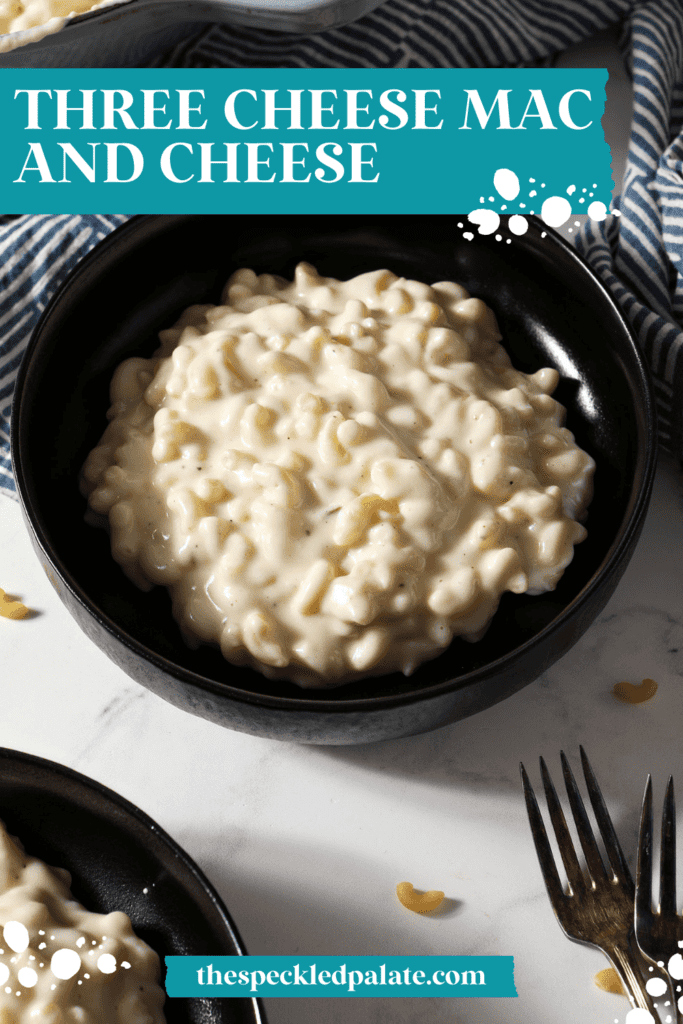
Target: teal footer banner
(505,140)
(338,976)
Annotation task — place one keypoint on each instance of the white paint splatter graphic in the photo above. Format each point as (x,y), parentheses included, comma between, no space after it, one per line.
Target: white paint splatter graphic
(656,986)
(488,221)
(15,935)
(506,183)
(639,1016)
(518,225)
(107,963)
(555,211)
(675,966)
(65,964)
(27,977)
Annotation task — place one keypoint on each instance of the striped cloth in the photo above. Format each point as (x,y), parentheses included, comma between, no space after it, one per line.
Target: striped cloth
(639,255)
(36,254)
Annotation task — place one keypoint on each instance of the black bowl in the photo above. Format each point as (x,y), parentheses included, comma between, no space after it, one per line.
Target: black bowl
(119,859)
(553,311)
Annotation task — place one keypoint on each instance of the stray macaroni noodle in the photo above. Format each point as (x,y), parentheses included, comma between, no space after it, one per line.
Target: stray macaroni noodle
(421,903)
(635,693)
(333,478)
(59,962)
(609,981)
(11,609)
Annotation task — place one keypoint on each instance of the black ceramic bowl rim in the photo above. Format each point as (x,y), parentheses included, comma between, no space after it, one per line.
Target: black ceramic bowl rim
(110,796)
(105,797)
(329,706)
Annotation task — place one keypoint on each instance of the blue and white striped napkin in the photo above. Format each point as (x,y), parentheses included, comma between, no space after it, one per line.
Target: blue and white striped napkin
(36,255)
(639,255)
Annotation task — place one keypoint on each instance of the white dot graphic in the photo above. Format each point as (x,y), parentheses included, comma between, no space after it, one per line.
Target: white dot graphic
(518,225)
(506,183)
(16,936)
(639,1016)
(555,211)
(27,977)
(675,966)
(107,963)
(4,973)
(571,190)
(597,211)
(65,963)
(468,235)
(487,220)
(656,986)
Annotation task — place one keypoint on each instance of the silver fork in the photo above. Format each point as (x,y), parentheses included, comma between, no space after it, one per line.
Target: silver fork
(597,910)
(659,931)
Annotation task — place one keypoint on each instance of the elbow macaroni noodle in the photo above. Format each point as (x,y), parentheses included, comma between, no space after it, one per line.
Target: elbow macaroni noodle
(420,903)
(59,962)
(333,479)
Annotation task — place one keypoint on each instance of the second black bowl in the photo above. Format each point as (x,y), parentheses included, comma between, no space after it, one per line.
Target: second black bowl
(553,311)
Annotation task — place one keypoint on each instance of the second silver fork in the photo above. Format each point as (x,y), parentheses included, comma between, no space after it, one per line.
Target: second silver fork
(659,931)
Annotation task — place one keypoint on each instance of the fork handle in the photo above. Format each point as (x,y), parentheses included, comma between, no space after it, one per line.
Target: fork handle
(627,966)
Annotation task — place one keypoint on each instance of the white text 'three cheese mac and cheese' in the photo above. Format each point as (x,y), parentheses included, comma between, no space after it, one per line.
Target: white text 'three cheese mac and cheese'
(61,964)
(333,479)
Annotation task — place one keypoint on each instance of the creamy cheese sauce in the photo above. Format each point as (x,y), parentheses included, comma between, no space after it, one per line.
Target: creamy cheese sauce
(334,479)
(18,16)
(61,964)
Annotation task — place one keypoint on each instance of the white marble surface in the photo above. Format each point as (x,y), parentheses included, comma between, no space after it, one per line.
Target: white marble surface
(306,845)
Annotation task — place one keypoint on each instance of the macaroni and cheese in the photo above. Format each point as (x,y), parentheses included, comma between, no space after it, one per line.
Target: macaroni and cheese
(19,15)
(58,961)
(334,479)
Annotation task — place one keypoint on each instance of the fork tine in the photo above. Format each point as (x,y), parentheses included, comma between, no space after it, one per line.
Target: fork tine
(609,836)
(644,868)
(591,852)
(543,850)
(564,840)
(667,863)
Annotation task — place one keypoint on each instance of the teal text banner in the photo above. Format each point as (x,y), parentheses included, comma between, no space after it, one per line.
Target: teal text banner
(338,976)
(302,141)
